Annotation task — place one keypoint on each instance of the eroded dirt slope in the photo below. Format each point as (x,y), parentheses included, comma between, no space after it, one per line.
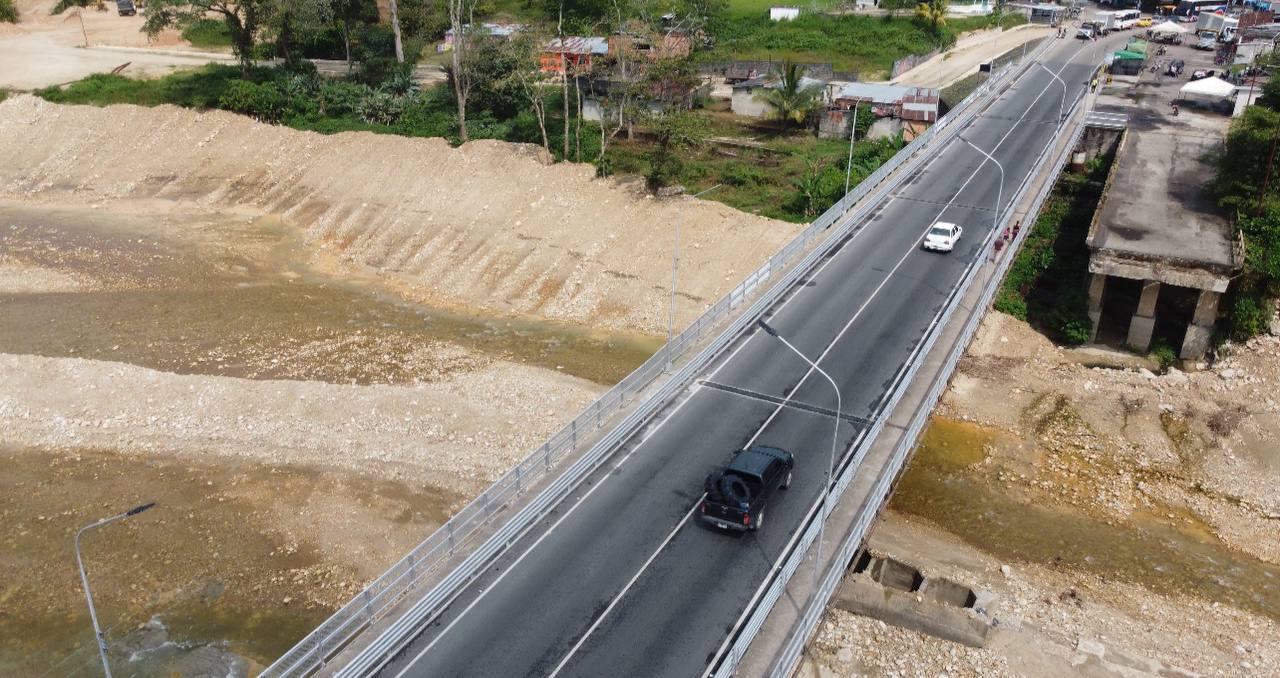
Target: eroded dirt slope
(486,225)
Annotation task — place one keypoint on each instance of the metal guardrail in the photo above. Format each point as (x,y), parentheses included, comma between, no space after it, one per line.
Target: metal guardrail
(790,654)
(460,531)
(850,464)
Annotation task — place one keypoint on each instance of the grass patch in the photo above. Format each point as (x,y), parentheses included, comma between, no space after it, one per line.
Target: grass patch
(207,34)
(864,44)
(771,181)
(8,13)
(201,88)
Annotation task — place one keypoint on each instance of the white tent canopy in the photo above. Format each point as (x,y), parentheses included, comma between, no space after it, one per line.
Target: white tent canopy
(1210,87)
(1169,27)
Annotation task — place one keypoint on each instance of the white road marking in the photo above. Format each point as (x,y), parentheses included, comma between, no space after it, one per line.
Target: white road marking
(626,588)
(635,448)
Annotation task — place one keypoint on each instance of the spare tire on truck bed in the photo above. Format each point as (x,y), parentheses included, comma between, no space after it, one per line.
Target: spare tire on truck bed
(734,489)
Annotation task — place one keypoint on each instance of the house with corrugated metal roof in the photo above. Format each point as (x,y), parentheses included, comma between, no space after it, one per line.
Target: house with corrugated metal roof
(577,54)
(897,109)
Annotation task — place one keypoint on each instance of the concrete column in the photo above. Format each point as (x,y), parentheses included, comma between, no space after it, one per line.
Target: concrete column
(1097,284)
(1200,331)
(1144,319)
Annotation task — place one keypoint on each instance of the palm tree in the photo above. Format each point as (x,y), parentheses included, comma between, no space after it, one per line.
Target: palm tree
(792,101)
(933,13)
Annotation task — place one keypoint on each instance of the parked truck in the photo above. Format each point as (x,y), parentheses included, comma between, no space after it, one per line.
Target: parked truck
(1105,22)
(1221,26)
(126,8)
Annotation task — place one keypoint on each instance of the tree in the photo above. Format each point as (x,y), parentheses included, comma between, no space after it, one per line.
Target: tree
(287,18)
(674,133)
(791,100)
(395,30)
(461,20)
(933,13)
(527,74)
(242,17)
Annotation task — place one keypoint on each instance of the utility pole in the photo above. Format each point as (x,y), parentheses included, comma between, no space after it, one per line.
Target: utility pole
(675,265)
(853,132)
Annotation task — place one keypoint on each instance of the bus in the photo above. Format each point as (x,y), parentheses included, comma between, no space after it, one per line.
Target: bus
(1126,19)
(1190,8)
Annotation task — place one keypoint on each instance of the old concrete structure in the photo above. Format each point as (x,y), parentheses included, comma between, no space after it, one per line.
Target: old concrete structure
(1161,251)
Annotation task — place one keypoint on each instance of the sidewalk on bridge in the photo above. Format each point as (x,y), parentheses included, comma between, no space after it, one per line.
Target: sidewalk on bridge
(778,626)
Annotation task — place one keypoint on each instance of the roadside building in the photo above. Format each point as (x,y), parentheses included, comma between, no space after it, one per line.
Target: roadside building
(577,54)
(746,94)
(898,109)
(783,13)
(490,30)
(1040,13)
(641,43)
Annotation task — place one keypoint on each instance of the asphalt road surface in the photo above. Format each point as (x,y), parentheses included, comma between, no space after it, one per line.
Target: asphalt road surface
(623,579)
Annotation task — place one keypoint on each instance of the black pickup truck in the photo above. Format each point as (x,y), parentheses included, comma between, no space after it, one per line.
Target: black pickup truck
(737,494)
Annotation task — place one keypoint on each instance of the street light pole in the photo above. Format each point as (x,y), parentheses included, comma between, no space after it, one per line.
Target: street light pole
(995,221)
(848,166)
(99,636)
(835,434)
(1062,106)
(675,263)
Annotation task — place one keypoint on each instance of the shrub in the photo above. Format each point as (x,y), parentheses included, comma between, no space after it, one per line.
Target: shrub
(207,33)
(1249,316)
(8,13)
(64,5)
(1010,302)
(379,108)
(340,98)
(265,102)
(1164,355)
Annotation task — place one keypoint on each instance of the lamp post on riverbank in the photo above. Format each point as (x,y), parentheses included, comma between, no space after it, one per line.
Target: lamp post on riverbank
(99,636)
(675,263)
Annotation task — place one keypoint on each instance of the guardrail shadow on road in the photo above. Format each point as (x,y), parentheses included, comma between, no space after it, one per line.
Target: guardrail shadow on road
(386,593)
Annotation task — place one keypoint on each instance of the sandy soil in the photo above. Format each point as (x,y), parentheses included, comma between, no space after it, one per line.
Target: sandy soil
(1136,515)
(300,432)
(483,226)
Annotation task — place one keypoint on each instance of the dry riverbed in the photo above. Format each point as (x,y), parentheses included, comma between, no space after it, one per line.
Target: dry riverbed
(1127,523)
(299,431)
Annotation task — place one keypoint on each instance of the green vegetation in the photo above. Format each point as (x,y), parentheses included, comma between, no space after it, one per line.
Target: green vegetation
(8,13)
(865,44)
(207,34)
(792,101)
(1044,285)
(789,175)
(64,5)
(1245,186)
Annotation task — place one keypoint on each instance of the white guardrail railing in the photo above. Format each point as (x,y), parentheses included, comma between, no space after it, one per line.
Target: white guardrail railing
(787,658)
(456,535)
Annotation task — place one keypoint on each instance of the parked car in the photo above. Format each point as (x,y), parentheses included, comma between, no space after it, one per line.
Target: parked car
(1144,22)
(1175,67)
(126,8)
(1207,42)
(737,494)
(942,236)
